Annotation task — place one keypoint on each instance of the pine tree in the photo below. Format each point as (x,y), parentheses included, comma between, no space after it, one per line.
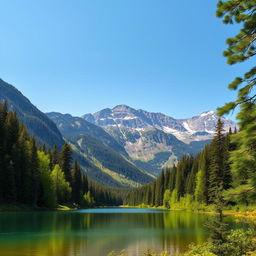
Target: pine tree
(191,177)
(53,156)
(167,179)
(11,137)
(201,191)
(34,190)
(76,183)
(240,48)
(159,190)
(217,162)
(172,179)
(65,162)
(227,176)
(85,185)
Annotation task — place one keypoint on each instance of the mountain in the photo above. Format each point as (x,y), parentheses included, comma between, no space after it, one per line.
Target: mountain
(38,124)
(100,149)
(70,126)
(98,153)
(198,127)
(154,140)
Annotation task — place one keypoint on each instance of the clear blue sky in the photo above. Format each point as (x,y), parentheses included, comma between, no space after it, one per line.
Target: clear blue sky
(81,56)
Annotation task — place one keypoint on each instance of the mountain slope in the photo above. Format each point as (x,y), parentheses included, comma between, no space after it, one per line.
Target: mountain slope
(37,122)
(100,149)
(70,126)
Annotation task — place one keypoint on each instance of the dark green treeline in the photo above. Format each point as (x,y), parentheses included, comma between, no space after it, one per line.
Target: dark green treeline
(39,177)
(199,178)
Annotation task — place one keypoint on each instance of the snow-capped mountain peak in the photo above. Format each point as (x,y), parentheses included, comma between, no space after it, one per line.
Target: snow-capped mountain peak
(207,113)
(199,127)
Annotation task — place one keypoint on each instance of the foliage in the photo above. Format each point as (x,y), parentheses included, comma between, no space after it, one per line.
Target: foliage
(48,190)
(148,253)
(87,200)
(31,174)
(200,250)
(167,199)
(63,189)
(199,190)
(241,47)
(237,243)
(66,161)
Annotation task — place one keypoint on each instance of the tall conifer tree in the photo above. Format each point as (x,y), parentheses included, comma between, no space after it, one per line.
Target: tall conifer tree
(65,162)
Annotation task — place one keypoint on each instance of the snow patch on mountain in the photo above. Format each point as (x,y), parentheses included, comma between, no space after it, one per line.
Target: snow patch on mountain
(186,125)
(207,113)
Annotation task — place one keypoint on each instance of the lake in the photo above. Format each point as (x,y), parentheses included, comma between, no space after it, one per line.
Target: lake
(96,232)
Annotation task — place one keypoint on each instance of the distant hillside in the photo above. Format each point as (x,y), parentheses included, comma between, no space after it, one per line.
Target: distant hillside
(101,150)
(36,121)
(71,126)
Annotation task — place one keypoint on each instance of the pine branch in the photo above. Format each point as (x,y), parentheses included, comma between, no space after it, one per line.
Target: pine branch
(243,192)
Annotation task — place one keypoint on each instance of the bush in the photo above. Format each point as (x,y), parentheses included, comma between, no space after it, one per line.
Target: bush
(87,200)
(200,250)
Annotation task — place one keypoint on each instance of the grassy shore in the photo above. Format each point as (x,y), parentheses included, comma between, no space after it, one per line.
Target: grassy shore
(248,213)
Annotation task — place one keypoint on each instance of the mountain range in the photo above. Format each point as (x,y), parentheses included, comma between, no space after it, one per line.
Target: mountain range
(154,140)
(119,147)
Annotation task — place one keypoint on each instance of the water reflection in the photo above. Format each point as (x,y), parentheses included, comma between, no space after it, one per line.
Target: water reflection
(95,234)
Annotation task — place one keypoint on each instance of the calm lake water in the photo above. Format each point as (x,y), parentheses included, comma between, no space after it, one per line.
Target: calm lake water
(96,232)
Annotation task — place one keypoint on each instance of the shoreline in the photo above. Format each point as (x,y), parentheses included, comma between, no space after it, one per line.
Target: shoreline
(245,215)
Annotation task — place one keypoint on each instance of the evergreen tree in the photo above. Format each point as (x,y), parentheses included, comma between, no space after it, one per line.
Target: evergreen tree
(34,189)
(241,48)
(167,179)
(201,191)
(85,185)
(3,115)
(53,157)
(172,178)
(217,162)
(76,183)
(159,190)
(65,162)
(191,177)
(200,187)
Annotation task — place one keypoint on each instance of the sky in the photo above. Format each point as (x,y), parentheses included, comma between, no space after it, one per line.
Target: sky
(81,56)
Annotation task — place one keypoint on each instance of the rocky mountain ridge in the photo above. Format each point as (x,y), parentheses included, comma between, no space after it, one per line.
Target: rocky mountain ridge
(197,128)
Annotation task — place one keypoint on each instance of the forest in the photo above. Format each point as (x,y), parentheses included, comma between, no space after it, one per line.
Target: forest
(40,177)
